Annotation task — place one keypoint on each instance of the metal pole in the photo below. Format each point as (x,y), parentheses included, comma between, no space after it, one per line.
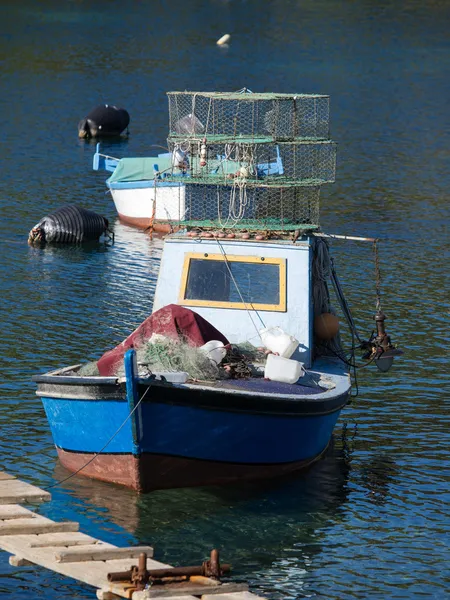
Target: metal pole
(346,237)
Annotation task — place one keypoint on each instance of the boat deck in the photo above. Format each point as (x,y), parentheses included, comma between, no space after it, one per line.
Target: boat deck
(260,385)
(60,547)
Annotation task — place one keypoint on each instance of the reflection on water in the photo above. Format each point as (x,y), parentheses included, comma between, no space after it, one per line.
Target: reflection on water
(377,475)
(249,522)
(273,532)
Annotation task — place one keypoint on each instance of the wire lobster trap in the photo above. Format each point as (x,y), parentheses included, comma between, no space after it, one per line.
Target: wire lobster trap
(260,115)
(250,161)
(243,207)
(295,163)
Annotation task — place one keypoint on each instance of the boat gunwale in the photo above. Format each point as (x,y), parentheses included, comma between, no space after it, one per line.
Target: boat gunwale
(52,378)
(242,401)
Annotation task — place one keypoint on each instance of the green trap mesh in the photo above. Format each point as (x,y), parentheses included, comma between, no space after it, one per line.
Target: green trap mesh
(253,208)
(283,163)
(280,116)
(250,161)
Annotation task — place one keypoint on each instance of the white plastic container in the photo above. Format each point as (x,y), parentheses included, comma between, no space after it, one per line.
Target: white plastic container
(277,340)
(214,350)
(282,369)
(172,376)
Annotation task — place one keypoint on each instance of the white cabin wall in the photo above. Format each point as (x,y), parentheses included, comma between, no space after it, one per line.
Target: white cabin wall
(236,324)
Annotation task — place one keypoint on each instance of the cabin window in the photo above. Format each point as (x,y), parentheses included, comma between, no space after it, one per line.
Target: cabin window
(235,282)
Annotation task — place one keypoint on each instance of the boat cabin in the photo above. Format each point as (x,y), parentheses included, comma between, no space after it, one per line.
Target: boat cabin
(241,286)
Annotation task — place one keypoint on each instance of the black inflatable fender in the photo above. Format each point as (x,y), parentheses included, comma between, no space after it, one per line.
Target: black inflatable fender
(69,224)
(103,120)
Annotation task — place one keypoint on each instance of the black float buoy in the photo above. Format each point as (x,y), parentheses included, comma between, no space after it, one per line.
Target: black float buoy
(69,224)
(103,120)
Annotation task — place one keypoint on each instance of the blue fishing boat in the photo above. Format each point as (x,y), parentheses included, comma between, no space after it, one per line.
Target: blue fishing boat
(239,373)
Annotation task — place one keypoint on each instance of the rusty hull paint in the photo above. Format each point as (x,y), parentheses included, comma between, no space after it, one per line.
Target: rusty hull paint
(144,223)
(154,471)
(122,469)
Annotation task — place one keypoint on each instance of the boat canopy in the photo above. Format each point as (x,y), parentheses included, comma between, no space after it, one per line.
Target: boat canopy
(140,169)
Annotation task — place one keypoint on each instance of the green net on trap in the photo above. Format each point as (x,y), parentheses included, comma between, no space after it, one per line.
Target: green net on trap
(284,163)
(249,161)
(280,116)
(239,207)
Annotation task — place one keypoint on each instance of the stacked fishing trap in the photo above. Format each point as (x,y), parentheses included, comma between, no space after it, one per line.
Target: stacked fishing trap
(250,161)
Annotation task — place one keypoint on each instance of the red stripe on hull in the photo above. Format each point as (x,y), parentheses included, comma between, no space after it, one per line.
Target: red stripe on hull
(115,468)
(156,471)
(144,223)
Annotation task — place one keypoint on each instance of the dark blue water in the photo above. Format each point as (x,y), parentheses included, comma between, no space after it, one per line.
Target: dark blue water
(371,520)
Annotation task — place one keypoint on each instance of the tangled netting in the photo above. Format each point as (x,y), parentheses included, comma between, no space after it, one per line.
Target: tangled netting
(161,354)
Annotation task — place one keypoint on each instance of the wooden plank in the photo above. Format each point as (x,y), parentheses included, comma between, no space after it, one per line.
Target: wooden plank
(233,596)
(34,539)
(14,491)
(63,539)
(143,596)
(35,526)
(11,485)
(14,511)
(201,580)
(106,595)
(194,590)
(101,552)
(16,499)
(17,561)
(91,573)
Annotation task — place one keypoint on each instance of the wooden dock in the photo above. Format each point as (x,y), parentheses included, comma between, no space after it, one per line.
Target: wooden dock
(36,540)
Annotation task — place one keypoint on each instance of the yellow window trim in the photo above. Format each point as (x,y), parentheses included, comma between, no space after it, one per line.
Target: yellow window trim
(281,262)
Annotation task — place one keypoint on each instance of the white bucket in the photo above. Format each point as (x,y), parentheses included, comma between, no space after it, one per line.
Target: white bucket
(276,340)
(282,369)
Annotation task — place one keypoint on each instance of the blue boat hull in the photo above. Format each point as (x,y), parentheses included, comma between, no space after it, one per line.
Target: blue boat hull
(180,436)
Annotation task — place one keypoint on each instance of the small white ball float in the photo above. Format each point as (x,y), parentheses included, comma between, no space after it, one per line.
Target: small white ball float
(223,40)
(245,236)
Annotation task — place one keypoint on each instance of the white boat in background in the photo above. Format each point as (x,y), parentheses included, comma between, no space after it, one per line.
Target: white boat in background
(151,191)
(132,187)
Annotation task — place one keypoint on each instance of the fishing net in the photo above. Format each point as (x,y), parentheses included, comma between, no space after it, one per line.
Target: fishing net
(163,354)
(89,369)
(166,355)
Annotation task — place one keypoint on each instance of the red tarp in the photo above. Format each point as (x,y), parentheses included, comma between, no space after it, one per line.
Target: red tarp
(174,322)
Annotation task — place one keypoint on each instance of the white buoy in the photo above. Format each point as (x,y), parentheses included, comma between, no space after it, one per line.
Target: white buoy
(223,40)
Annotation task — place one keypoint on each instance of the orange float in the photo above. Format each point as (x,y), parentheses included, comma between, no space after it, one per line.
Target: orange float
(326,326)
